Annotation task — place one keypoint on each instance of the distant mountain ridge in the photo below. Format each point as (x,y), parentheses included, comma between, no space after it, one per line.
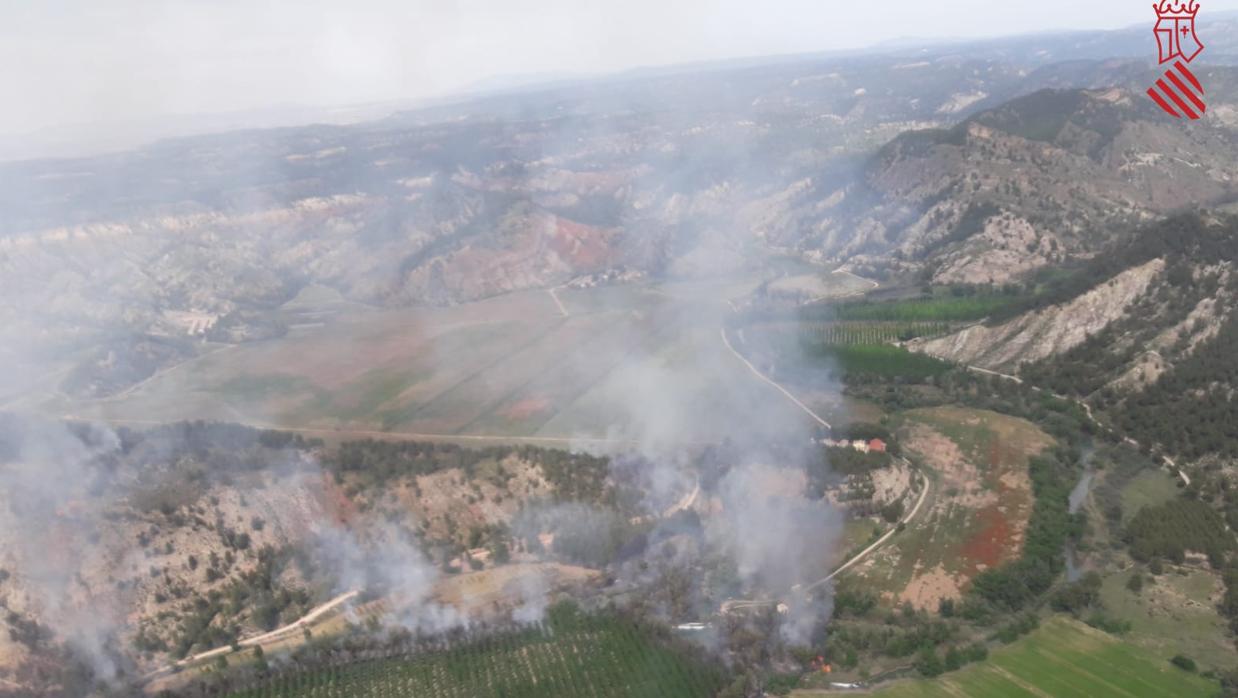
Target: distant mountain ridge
(1044,178)
(1144,333)
(904,164)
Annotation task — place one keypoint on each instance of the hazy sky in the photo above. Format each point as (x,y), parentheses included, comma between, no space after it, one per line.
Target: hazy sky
(82,61)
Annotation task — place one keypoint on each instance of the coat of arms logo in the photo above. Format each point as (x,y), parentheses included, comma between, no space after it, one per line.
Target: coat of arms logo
(1177,92)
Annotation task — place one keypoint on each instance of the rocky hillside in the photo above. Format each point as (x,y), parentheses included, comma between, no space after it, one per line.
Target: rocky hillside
(123,551)
(1047,332)
(1054,176)
(1144,333)
(117,266)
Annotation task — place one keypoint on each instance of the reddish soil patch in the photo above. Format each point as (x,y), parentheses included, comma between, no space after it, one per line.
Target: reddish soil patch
(1001,455)
(335,501)
(526,408)
(582,246)
(991,544)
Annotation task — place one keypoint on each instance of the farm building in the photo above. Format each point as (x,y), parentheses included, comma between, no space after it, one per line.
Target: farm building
(872,446)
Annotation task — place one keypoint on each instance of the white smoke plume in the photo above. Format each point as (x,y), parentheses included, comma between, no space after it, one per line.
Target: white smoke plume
(50,514)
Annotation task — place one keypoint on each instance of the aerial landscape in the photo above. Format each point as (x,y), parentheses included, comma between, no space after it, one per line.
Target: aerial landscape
(742,362)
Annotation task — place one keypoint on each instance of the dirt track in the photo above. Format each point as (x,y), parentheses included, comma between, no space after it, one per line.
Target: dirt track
(276,634)
(1087,409)
(374,434)
(767,379)
(877,543)
(559,303)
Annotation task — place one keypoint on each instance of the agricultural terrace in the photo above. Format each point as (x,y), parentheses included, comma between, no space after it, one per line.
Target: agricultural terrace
(947,308)
(884,361)
(510,366)
(842,351)
(1062,658)
(866,332)
(856,349)
(571,655)
(978,506)
(829,328)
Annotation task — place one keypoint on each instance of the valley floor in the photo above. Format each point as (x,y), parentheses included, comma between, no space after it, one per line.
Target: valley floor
(1062,658)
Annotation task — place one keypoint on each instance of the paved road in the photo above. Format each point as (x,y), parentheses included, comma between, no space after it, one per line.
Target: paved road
(877,543)
(769,380)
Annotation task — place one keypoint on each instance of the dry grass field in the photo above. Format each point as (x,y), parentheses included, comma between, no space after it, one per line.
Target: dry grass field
(978,508)
(617,366)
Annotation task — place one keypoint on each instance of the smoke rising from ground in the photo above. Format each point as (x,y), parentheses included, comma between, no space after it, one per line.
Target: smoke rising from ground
(49,511)
(72,497)
(699,418)
(713,454)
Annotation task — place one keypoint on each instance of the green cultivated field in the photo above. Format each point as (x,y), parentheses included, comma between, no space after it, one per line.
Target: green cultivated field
(879,360)
(946,309)
(1173,613)
(599,657)
(874,332)
(1063,658)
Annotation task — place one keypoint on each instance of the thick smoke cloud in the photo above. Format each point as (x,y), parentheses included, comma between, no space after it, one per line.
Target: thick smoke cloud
(67,495)
(384,559)
(701,433)
(778,537)
(698,418)
(711,425)
(50,516)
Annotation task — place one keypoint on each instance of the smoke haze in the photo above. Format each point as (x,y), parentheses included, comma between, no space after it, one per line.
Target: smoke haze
(154,64)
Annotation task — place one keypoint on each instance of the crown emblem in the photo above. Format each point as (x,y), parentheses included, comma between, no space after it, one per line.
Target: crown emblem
(1178,92)
(1176,10)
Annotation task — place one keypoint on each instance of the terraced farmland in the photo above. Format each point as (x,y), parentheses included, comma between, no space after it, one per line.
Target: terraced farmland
(582,656)
(1063,658)
(866,332)
(977,510)
(512,366)
(938,309)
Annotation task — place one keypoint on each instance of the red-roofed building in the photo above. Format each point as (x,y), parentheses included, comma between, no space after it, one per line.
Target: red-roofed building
(877,446)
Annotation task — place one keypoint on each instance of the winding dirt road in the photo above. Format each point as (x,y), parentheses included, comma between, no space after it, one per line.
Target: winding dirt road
(924,490)
(553,294)
(276,634)
(888,534)
(872,284)
(1087,409)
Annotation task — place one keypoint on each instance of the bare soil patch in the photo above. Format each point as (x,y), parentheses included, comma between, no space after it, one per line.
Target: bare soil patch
(980,507)
(447,504)
(925,591)
(526,408)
